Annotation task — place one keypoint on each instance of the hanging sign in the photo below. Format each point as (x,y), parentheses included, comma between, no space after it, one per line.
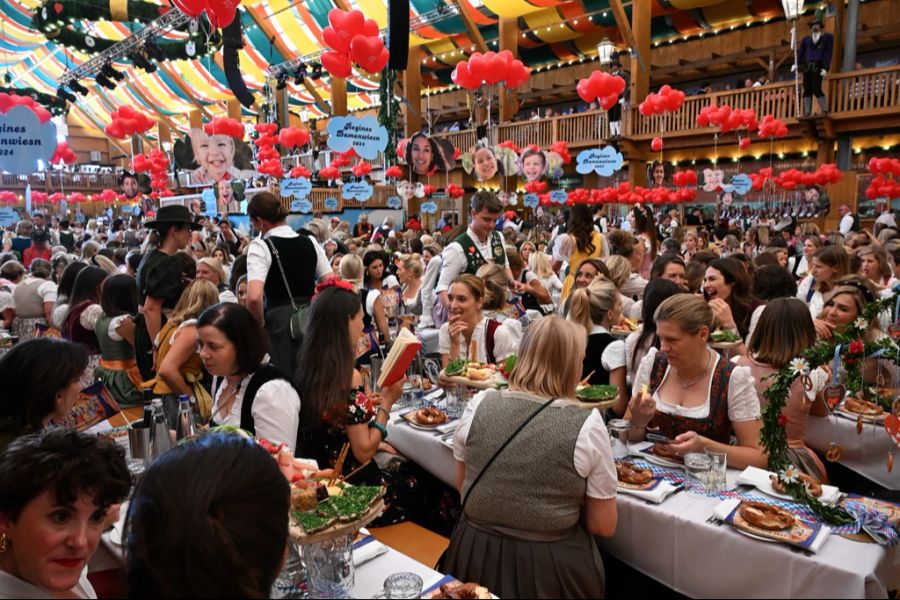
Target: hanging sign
(394,202)
(25,143)
(298,187)
(331,203)
(602,161)
(304,206)
(209,201)
(531,200)
(428,208)
(741,183)
(357,190)
(8,216)
(559,196)
(365,135)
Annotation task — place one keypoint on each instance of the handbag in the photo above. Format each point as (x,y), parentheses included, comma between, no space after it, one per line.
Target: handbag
(299,315)
(484,469)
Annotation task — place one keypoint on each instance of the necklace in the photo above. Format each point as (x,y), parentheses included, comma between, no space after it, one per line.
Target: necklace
(687,384)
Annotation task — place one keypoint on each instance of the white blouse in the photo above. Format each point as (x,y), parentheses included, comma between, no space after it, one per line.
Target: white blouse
(593,456)
(507,338)
(13,587)
(275,410)
(743,403)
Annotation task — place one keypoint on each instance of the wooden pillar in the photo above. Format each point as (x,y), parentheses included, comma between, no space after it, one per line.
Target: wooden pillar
(640,25)
(338,97)
(234,110)
(509,40)
(195,119)
(164,133)
(825,152)
(412,89)
(837,27)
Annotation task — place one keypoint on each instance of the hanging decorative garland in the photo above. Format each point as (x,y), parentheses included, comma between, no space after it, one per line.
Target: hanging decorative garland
(56,20)
(852,350)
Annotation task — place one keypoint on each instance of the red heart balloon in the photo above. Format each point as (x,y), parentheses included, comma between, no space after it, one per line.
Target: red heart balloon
(370,28)
(366,51)
(337,64)
(334,39)
(191,8)
(892,427)
(58,8)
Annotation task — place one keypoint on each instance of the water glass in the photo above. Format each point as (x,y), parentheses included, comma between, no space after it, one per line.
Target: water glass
(697,467)
(403,585)
(375,370)
(291,581)
(329,568)
(717,469)
(618,429)
(139,443)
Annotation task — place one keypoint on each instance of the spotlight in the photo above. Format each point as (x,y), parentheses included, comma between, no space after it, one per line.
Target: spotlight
(282,82)
(65,95)
(316,70)
(103,80)
(110,72)
(154,51)
(77,87)
(300,75)
(139,59)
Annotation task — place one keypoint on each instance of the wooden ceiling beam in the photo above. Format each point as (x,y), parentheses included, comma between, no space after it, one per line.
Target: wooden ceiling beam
(624,26)
(471,28)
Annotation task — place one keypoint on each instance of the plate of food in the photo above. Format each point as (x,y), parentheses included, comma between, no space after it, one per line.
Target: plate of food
(596,393)
(473,374)
(427,418)
(458,589)
(634,477)
(855,407)
(320,512)
(765,517)
(660,454)
(725,340)
(627,327)
(769,484)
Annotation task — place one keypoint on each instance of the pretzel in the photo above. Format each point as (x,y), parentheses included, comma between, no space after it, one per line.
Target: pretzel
(812,484)
(634,475)
(765,516)
(430,416)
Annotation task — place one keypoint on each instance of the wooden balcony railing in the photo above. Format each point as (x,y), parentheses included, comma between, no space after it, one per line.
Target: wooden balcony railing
(58,181)
(869,91)
(318,195)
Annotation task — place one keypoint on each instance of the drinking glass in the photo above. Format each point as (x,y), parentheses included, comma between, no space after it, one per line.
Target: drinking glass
(329,568)
(403,585)
(291,581)
(618,429)
(697,467)
(375,370)
(717,469)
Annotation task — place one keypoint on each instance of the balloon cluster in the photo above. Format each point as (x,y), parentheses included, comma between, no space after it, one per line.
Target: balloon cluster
(225,126)
(361,169)
(268,158)
(330,172)
(759,180)
(726,118)
(656,144)
(886,180)
(7,196)
(665,100)
(511,145)
(685,178)
(108,195)
(490,68)
(352,37)
(428,190)
(57,197)
(300,171)
(220,12)
(128,121)
(455,191)
(8,101)
(603,87)
(39,196)
(293,137)
(792,178)
(562,148)
(536,187)
(393,172)
(157,163)
(770,127)
(76,197)
(63,154)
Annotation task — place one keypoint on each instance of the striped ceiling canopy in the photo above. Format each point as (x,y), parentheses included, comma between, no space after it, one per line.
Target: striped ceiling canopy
(278,30)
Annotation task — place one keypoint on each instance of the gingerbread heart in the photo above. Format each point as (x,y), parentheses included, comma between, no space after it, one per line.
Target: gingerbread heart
(892,427)
(833,396)
(58,7)
(894,331)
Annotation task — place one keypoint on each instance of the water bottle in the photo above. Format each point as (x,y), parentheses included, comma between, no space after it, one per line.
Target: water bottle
(184,427)
(160,440)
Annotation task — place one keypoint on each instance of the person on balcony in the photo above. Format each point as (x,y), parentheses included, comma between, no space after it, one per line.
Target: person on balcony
(814,59)
(615,113)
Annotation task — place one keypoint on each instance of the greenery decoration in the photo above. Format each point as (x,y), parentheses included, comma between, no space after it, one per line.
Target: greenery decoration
(56,105)
(57,19)
(853,349)
(389,114)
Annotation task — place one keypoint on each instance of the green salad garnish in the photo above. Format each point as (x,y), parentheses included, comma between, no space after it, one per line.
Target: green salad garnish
(725,336)
(455,367)
(598,392)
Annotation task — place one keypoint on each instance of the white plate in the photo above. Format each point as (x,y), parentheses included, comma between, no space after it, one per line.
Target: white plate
(416,425)
(765,486)
(656,460)
(866,418)
(754,536)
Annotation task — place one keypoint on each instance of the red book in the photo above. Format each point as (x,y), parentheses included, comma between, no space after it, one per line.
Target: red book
(402,353)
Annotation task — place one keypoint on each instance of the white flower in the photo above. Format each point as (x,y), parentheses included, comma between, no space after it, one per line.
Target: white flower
(799,366)
(861,323)
(789,475)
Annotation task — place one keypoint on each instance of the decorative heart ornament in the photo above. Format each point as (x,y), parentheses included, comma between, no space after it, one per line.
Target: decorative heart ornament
(58,7)
(894,331)
(833,396)
(892,427)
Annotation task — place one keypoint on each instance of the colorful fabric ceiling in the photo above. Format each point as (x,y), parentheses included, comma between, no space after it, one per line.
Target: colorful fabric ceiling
(278,30)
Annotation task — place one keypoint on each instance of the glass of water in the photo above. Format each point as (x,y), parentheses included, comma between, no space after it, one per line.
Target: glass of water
(403,585)
(618,429)
(697,467)
(717,469)
(329,568)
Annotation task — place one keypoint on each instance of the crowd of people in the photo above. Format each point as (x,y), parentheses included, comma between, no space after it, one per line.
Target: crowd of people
(274,333)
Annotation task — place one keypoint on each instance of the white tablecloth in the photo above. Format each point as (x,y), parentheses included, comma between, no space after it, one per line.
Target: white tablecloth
(864,453)
(672,543)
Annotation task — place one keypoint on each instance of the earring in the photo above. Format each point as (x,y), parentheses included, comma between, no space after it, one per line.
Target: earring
(4,543)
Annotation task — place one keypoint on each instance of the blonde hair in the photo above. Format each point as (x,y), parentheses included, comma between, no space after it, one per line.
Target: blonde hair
(213,264)
(540,264)
(550,359)
(496,286)
(884,266)
(619,269)
(862,291)
(196,297)
(411,262)
(691,312)
(426,240)
(589,306)
(352,269)
(105,264)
